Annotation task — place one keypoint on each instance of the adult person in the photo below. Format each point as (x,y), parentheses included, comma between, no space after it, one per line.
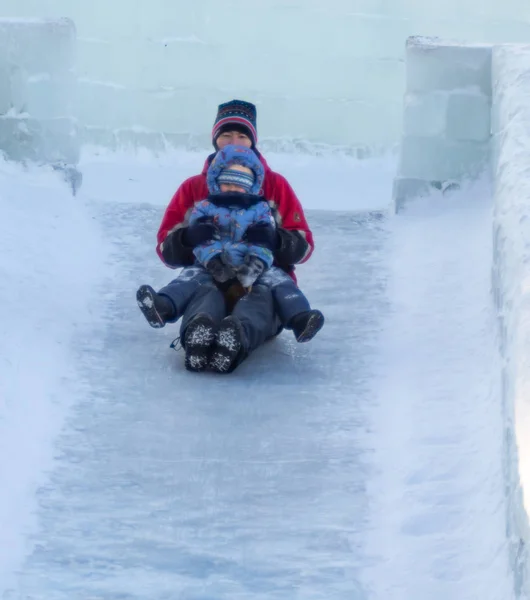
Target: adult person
(253,317)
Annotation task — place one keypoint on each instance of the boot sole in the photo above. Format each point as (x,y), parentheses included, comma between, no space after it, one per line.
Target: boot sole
(314,325)
(146,303)
(227,347)
(198,340)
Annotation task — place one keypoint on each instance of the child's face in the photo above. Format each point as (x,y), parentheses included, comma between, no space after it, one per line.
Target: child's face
(232,187)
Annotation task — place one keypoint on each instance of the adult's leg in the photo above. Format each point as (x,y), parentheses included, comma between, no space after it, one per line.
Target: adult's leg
(200,322)
(255,312)
(208,300)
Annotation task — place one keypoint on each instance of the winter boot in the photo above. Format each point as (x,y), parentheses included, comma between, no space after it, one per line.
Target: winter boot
(250,270)
(306,325)
(198,339)
(156,308)
(228,345)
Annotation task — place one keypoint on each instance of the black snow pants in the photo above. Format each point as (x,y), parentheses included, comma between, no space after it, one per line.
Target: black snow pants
(194,292)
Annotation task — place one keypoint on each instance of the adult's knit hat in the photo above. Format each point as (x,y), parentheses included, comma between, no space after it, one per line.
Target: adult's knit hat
(238,115)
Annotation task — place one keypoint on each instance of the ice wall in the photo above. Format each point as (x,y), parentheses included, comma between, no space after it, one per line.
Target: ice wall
(511,277)
(467,110)
(37,81)
(446,118)
(323,71)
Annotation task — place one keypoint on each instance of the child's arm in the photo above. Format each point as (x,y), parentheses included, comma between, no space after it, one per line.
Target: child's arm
(202,210)
(205,210)
(263,216)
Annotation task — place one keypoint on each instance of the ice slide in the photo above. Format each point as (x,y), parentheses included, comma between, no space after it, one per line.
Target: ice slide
(376,462)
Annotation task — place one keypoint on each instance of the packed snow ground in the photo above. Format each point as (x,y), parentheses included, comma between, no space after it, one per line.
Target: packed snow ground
(367,467)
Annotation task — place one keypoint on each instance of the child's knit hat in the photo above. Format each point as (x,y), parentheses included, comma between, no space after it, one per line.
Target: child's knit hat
(235,155)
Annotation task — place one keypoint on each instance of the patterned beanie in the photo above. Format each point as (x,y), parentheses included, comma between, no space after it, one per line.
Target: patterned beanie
(236,115)
(235,155)
(237,177)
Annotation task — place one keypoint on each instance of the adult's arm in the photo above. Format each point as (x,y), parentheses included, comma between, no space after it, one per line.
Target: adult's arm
(294,238)
(171,243)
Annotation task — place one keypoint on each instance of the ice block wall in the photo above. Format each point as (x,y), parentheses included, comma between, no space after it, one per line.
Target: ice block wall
(37,81)
(446,117)
(321,71)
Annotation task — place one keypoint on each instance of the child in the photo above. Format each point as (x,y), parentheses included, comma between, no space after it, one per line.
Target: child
(234,180)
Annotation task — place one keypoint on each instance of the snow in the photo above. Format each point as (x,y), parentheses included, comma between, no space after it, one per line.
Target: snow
(511,153)
(165,482)
(389,457)
(369,466)
(51,257)
(355,184)
(438,510)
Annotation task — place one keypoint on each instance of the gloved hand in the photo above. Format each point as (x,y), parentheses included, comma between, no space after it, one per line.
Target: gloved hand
(262,234)
(219,270)
(202,231)
(250,270)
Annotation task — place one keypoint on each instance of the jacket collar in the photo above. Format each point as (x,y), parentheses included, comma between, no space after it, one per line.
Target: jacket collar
(234,200)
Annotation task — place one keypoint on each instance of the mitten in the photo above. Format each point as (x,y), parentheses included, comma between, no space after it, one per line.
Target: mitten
(250,270)
(220,271)
(201,232)
(262,234)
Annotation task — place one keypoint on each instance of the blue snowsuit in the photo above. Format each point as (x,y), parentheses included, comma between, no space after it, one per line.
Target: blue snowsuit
(233,213)
(232,221)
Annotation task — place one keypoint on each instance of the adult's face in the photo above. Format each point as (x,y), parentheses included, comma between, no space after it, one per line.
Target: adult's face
(233,137)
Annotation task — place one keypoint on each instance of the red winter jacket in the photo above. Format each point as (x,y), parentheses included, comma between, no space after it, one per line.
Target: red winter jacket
(296,240)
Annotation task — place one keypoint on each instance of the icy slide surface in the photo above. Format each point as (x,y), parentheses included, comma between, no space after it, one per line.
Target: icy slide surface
(171,485)
(367,467)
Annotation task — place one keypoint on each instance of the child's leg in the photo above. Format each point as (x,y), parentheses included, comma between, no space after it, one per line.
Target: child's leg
(181,290)
(288,297)
(168,304)
(292,306)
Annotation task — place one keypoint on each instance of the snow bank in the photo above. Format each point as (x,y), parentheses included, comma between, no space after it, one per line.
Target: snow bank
(446,124)
(467,110)
(51,256)
(37,84)
(511,276)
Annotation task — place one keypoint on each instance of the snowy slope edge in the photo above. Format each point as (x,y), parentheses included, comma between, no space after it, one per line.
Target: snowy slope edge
(511,281)
(52,258)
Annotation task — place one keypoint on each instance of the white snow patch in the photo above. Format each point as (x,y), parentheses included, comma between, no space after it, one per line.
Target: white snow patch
(511,152)
(328,182)
(51,256)
(438,503)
